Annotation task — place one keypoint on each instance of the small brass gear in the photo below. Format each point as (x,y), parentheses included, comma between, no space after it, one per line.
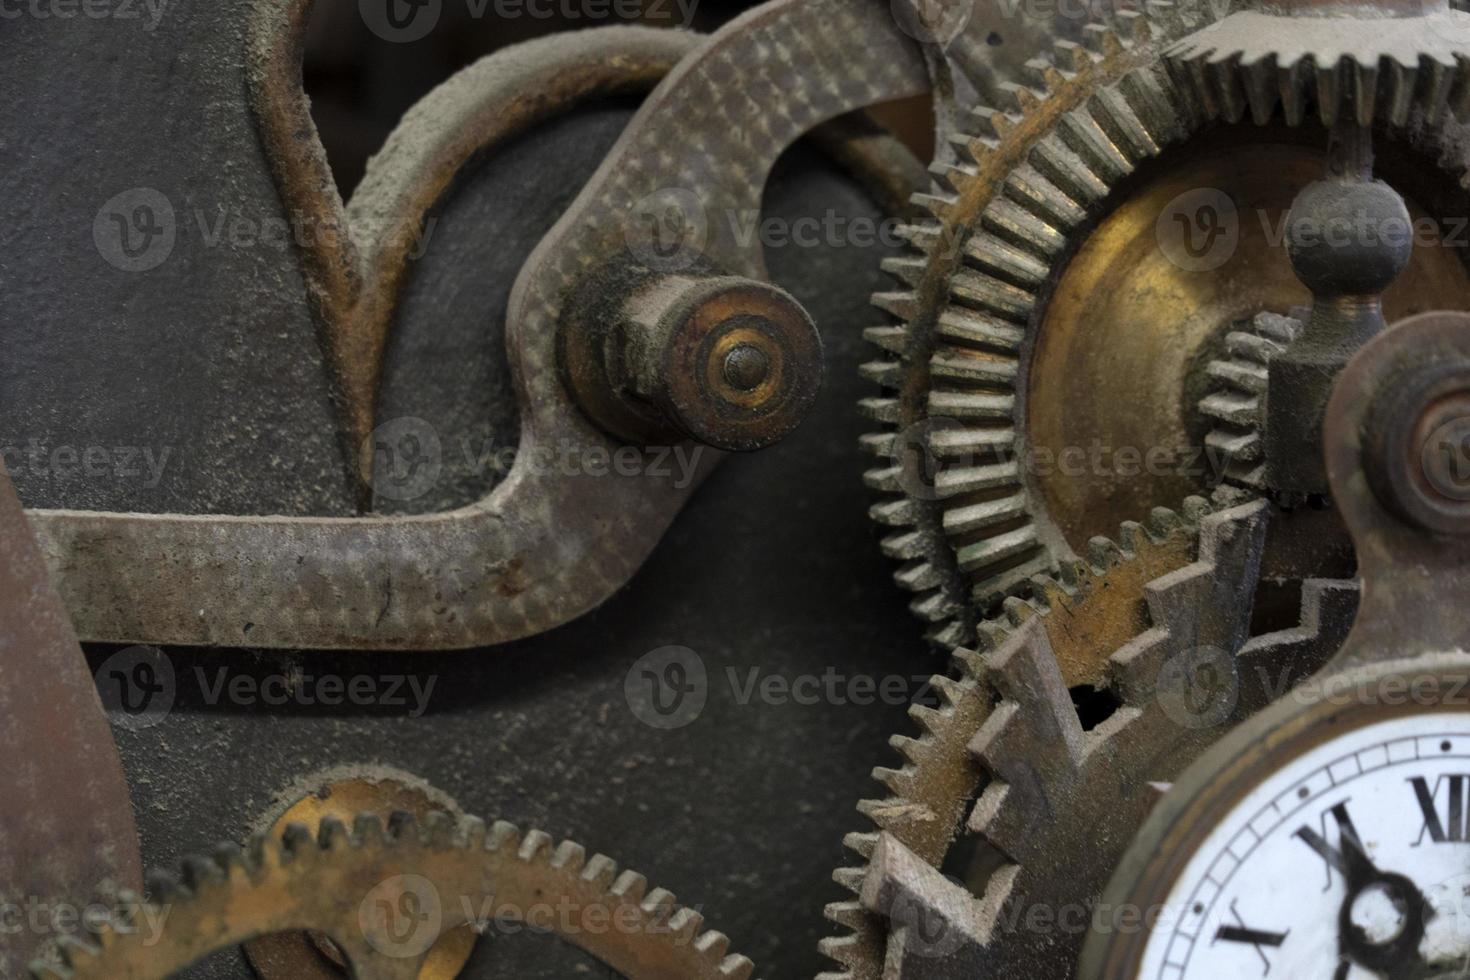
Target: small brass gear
(383,896)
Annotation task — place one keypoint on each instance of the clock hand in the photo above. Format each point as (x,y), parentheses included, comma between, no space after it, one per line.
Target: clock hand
(1397,956)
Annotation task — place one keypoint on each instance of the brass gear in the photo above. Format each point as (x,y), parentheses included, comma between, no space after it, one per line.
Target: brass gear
(1038,313)
(384,895)
(1005,766)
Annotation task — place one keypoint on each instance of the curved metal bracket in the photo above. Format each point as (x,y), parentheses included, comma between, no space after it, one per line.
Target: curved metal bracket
(545,546)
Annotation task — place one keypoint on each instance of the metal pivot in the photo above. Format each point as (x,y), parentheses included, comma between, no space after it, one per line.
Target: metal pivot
(730,362)
(1349,237)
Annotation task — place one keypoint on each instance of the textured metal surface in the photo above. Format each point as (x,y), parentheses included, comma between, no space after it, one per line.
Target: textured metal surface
(1413,573)
(357,267)
(1348,65)
(1052,794)
(1014,300)
(67,836)
(770,572)
(544,547)
(431,879)
(95,115)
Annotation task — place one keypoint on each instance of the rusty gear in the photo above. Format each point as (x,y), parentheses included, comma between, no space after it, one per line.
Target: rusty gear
(1006,767)
(975,359)
(442,877)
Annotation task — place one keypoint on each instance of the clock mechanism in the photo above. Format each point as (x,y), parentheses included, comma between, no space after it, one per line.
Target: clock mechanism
(647,433)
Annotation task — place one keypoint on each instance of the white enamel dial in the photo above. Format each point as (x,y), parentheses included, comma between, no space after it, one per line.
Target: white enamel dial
(1280,888)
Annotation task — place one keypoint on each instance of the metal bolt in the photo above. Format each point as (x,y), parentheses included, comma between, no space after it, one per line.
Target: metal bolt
(1417,444)
(726,361)
(746,367)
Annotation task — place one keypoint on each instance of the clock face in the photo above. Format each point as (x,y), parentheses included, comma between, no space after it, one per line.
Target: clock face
(1349,863)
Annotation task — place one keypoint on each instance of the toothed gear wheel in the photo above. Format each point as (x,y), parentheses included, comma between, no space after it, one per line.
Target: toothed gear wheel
(1006,787)
(1237,408)
(1345,67)
(339,882)
(992,313)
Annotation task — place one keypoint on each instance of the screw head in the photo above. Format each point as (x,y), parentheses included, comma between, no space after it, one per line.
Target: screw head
(746,367)
(1418,445)
(730,362)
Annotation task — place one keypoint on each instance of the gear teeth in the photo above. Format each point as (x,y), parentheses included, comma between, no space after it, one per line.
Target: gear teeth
(1329,608)
(1085,137)
(895,513)
(892,339)
(297,841)
(1373,79)
(1261,89)
(932,609)
(504,838)
(1043,75)
(1133,537)
(1222,582)
(907,269)
(200,873)
(439,830)
(880,410)
(214,898)
(974,540)
(1104,553)
(601,870)
(1029,744)
(1459,100)
(472,833)
(163,888)
(536,846)
(367,830)
(1005,261)
(903,306)
(1163,522)
(332,835)
(1238,405)
(909,546)
(919,576)
(630,886)
(659,905)
(403,828)
(1060,164)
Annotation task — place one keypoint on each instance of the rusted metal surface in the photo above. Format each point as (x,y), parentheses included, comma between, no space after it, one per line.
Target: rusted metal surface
(384,896)
(67,836)
(356,269)
(313,955)
(544,547)
(728,362)
(1411,535)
